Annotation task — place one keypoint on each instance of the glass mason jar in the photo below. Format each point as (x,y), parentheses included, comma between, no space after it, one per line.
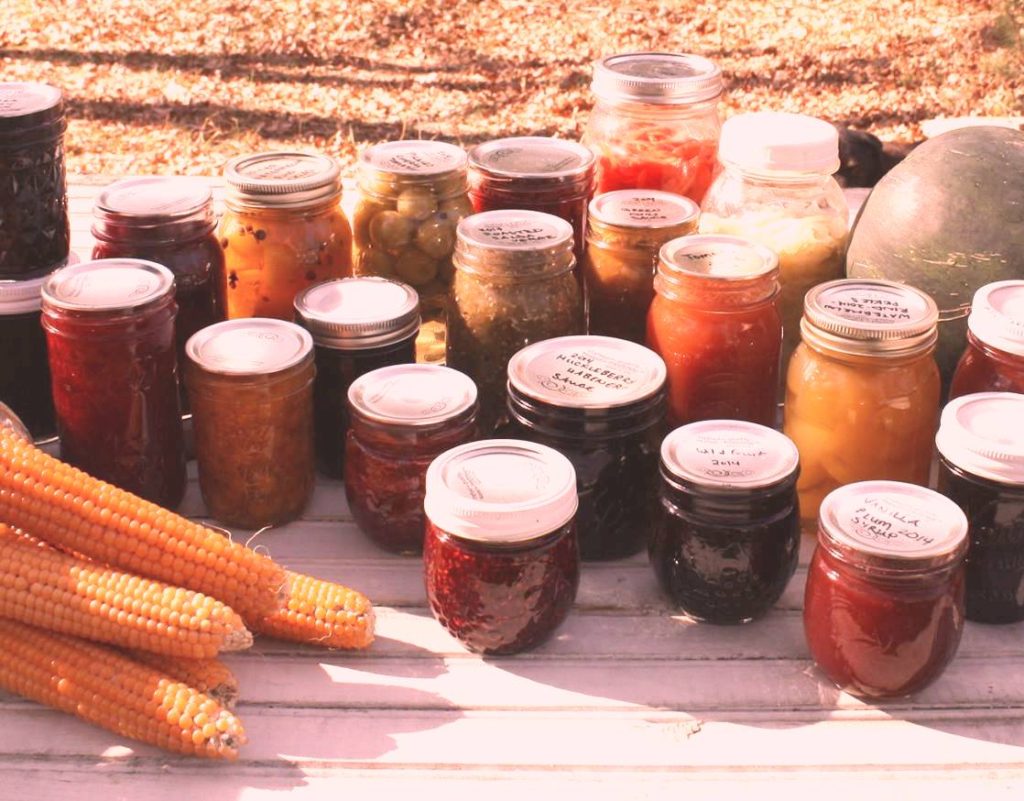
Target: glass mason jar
(283,229)
(250,383)
(499,555)
(600,402)
(715,322)
(513,286)
(34,229)
(777,190)
(625,231)
(655,122)
(727,539)
(358,325)
(24,364)
(114,369)
(403,417)
(884,601)
(412,195)
(981,469)
(862,390)
(994,358)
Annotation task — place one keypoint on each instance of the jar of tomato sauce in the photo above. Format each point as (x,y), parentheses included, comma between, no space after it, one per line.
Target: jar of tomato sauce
(24,364)
(994,358)
(884,601)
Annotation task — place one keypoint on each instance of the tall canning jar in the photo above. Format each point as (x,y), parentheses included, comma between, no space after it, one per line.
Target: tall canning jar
(994,358)
(24,365)
(283,229)
(655,122)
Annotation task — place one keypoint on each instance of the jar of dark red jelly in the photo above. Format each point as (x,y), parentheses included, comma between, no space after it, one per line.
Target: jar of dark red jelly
(727,539)
(24,365)
(110,333)
(402,418)
(994,358)
(500,555)
(358,325)
(981,469)
(884,602)
(600,402)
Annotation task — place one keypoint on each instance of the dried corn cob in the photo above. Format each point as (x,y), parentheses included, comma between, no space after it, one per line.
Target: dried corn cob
(107,688)
(210,676)
(321,613)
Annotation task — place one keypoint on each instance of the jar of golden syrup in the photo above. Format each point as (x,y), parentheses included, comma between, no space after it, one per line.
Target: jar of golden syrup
(994,358)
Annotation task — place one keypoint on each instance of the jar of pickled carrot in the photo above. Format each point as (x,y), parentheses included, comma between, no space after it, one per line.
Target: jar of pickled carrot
(994,358)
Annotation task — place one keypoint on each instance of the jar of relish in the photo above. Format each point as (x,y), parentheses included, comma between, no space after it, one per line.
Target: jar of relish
(981,469)
(358,325)
(500,555)
(994,358)
(884,601)
(110,334)
(600,402)
(24,364)
(402,418)
(727,539)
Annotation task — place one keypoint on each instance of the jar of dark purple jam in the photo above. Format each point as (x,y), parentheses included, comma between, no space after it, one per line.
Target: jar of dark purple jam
(500,556)
(24,365)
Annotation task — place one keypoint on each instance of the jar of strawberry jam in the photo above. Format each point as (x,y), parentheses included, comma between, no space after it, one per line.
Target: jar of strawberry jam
(884,602)
(24,364)
(994,358)
(500,555)
(402,418)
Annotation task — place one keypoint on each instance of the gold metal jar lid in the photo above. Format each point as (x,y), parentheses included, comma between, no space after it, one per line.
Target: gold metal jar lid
(282,179)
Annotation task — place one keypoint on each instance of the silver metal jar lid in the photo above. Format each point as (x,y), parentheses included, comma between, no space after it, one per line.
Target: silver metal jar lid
(249,346)
(282,179)
(412,395)
(26,105)
(358,313)
(983,434)
(659,78)
(413,157)
(532,156)
(154,198)
(106,285)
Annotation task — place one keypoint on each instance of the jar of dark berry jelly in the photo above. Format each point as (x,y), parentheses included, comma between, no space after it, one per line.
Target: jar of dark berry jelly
(981,469)
(884,602)
(24,365)
(500,555)
(727,538)
(402,418)
(994,358)
(357,325)
(600,402)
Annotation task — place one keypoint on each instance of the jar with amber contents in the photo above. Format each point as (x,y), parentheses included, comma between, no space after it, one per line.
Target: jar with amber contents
(625,231)
(250,383)
(994,358)
(24,364)
(283,229)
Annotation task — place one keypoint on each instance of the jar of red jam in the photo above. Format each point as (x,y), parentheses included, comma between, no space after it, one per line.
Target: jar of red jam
(655,122)
(981,469)
(715,322)
(402,417)
(500,555)
(727,539)
(24,364)
(994,358)
(884,602)
(113,362)
(358,325)
(600,402)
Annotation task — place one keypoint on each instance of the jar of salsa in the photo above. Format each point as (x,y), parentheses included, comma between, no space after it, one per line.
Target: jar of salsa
(715,322)
(655,122)
(981,469)
(500,555)
(110,334)
(727,539)
(358,325)
(403,417)
(600,402)
(625,231)
(884,601)
(994,358)
(862,390)
(250,383)
(24,364)
(283,229)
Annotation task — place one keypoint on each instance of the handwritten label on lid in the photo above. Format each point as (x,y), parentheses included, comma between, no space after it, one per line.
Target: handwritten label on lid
(416,158)
(643,209)
(717,256)
(878,306)
(294,167)
(515,230)
(727,453)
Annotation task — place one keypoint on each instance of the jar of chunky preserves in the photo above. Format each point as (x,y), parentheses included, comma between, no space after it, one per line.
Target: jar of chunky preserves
(600,402)
(981,469)
(513,285)
(994,358)
(110,335)
(402,418)
(283,229)
(884,601)
(715,322)
(412,195)
(727,539)
(250,383)
(24,364)
(34,230)
(500,555)
(625,231)
(655,122)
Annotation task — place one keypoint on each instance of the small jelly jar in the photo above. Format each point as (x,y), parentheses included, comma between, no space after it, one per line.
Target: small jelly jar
(358,325)
(994,358)
(727,539)
(600,402)
(113,363)
(500,555)
(884,601)
(24,364)
(402,418)
(981,469)
(250,383)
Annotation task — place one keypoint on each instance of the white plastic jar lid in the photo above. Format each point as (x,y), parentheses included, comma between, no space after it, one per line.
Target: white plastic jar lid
(658,78)
(249,346)
(106,285)
(983,434)
(777,141)
(997,316)
(643,208)
(415,395)
(358,313)
(21,297)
